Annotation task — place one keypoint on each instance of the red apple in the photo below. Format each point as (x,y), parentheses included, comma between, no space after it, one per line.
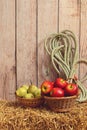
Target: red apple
(57,92)
(71,89)
(52,83)
(46,87)
(60,82)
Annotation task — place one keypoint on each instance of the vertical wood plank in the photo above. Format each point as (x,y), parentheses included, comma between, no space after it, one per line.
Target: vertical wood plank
(83,38)
(26,41)
(47,24)
(69,17)
(7,49)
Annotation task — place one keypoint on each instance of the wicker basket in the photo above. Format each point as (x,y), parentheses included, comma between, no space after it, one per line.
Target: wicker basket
(62,104)
(33,102)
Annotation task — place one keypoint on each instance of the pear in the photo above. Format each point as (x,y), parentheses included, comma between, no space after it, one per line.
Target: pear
(32,89)
(25,86)
(29,95)
(37,93)
(21,92)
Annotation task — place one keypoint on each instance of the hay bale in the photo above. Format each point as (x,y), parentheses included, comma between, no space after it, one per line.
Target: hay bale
(15,117)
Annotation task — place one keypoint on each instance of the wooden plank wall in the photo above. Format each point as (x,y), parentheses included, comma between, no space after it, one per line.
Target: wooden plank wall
(24,24)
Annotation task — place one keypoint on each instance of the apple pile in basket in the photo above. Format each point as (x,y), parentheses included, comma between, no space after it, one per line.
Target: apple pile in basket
(29,95)
(28,91)
(59,88)
(60,95)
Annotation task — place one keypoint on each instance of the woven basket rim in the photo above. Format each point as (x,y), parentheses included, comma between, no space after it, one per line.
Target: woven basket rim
(59,98)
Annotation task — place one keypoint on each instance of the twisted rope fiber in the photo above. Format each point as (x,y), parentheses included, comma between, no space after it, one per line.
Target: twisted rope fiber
(63,49)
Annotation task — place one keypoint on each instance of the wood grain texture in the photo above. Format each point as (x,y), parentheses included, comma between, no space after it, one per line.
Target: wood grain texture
(47,24)
(7,49)
(69,18)
(26,41)
(69,15)
(83,38)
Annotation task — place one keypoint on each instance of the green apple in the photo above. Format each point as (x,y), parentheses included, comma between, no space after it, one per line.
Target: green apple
(25,86)
(37,93)
(32,89)
(21,92)
(29,95)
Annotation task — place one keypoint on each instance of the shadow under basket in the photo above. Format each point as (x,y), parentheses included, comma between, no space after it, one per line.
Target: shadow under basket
(33,102)
(60,104)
